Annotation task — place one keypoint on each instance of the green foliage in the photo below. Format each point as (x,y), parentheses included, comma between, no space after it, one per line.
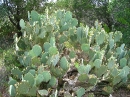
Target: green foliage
(120,10)
(46,60)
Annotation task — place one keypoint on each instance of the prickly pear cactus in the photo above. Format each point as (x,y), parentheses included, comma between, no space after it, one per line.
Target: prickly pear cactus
(52,44)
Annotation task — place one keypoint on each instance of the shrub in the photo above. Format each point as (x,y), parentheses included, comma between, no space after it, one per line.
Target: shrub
(53,45)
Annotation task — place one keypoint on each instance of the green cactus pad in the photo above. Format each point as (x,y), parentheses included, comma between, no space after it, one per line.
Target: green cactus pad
(97,63)
(84,69)
(116,80)
(100,38)
(53,81)
(117,36)
(68,16)
(27,61)
(32,91)
(22,24)
(59,14)
(44,57)
(79,33)
(46,46)
(100,71)
(83,77)
(23,87)
(46,75)
(34,16)
(52,41)
(39,78)
(12,81)
(124,72)
(43,92)
(64,63)
(55,59)
(123,62)
(72,54)
(92,79)
(111,62)
(12,91)
(118,50)
(53,51)
(114,72)
(29,78)
(74,22)
(40,69)
(16,72)
(80,92)
(111,43)
(42,33)
(37,50)
(49,28)
(32,71)
(85,47)
(62,39)
(108,89)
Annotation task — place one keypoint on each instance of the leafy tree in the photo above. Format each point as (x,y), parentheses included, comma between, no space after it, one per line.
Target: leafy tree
(16,10)
(87,11)
(120,12)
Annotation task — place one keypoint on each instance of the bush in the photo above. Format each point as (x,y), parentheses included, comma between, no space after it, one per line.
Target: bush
(53,46)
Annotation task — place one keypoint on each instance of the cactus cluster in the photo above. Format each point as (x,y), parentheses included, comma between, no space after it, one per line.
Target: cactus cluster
(50,43)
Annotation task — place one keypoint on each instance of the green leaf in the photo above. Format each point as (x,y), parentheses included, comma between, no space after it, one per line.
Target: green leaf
(80,92)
